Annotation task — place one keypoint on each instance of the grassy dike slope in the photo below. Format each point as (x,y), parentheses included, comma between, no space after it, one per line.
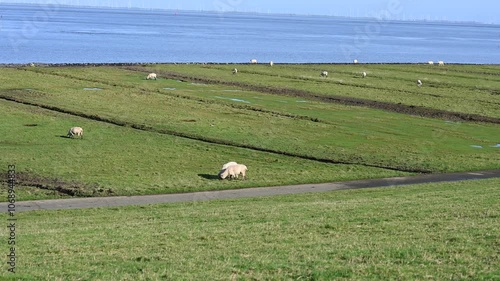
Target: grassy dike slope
(446,231)
(470,89)
(171,135)
(115,160)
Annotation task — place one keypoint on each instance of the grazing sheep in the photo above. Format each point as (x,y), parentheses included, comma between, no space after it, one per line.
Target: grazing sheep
(324,74)
(234,171)
(355,61)
(253,61)
(363,74)
(431,62)
(75,131)
(219,175)
(271,63)
(228,164)
(151,76)
(441,62)
(235,71)
(419,83)
(224,167)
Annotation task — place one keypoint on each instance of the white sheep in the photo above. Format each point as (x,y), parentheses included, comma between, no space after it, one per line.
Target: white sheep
(419,83)
(324,74)
(355,61)
(228,164)
(234,171)
(271,63)
(253,61)
(363,74)
(224,167)
(151,76)
(441,62)
(75,131)
(430,62)
(235,71)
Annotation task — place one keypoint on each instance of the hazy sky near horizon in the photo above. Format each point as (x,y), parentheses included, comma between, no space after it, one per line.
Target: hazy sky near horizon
(481,10)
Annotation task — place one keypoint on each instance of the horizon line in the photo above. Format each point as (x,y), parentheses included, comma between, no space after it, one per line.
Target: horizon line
(260,13)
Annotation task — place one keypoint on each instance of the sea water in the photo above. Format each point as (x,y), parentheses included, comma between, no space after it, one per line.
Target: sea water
(62,34)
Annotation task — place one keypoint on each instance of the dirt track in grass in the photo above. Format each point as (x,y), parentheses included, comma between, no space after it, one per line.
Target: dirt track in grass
(71,188)
(81,203)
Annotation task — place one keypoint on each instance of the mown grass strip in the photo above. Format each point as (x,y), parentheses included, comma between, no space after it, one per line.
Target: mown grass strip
(394,85)
(120,161)
(387,106)
(144,127)
(344,133)
(183,96)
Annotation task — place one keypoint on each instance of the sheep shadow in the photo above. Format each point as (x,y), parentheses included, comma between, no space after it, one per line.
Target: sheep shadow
(66,137)
(209,177)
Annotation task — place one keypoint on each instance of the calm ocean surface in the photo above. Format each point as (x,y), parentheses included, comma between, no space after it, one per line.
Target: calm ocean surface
(53,34)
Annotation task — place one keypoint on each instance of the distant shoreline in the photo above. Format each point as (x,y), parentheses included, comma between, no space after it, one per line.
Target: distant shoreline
(216,63)
(54,35)
(175,11)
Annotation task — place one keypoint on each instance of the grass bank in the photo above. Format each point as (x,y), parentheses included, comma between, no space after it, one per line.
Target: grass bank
(171,135)
(446,231)
(116,160)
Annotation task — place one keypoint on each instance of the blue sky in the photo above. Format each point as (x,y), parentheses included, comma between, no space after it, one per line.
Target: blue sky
(480,10)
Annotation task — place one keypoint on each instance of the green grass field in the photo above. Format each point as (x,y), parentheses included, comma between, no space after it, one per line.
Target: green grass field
(171,135)
(457,88)
(127,161)
(446,231)
(289,126)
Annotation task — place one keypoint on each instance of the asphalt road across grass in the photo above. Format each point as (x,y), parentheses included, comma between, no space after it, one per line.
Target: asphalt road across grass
(80,203)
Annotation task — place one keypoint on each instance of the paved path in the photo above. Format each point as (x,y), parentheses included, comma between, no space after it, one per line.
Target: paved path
(80,203)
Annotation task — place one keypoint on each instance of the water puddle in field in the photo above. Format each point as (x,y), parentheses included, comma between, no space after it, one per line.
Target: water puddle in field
(92,89)
(170,89)
(198,84)
(238,100)
(301,101)
(233,99)
(496,146)
(476,146)
(227,91)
